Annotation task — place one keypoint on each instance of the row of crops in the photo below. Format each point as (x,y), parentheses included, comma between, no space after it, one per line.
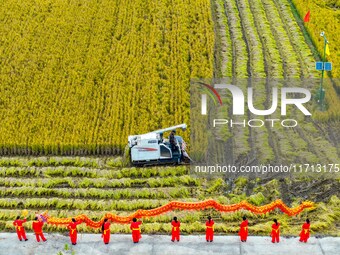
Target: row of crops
(94,191)
(271,36)
(79,77)
(263,39)
(324,17)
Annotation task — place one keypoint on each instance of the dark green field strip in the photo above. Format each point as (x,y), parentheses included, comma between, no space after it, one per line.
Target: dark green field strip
(94,193)
(117,173)
(76,182)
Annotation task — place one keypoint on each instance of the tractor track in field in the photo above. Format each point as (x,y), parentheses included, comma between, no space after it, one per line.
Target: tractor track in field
(329,130)
(217,73)
(268,91)
(271,136)
(251,157)
(311,147)
(218,64)
(334,137)
(289,33)
(232,44)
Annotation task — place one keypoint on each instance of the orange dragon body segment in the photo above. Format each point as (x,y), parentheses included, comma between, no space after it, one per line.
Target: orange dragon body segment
(176,205)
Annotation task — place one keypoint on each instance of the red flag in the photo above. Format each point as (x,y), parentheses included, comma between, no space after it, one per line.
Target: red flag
(307,17)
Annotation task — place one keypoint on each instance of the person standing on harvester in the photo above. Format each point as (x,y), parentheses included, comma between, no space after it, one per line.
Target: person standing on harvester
(172,140)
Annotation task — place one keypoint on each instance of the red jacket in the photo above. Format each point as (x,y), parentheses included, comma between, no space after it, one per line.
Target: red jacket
(73,226)
(135,226)
(275,229)
(244,227)
(18,223)
(210,225)
(106,227)
(305,230)
(175,226)
(37,226)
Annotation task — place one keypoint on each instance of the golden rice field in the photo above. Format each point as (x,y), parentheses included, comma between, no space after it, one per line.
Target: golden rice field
(77,77)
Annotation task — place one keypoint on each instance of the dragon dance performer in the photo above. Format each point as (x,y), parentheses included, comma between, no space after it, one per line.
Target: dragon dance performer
(175,232)
(135,227)
(304,235)
(37,228)
(275,234)
(209,232)
(243,230)
(73,230)
(106,231)
(20,229)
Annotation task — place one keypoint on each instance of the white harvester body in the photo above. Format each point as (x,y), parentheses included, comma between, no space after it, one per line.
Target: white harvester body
(152,149)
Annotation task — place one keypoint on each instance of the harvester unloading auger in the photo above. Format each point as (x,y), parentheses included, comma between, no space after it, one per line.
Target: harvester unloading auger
(152,149)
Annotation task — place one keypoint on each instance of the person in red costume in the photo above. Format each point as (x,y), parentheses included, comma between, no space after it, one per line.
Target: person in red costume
(304,235)
(275,234)
(135,227)
(73,230)
(244,230)
(175,232)
(37,228)
(20,229)
(209,232)
(106,231)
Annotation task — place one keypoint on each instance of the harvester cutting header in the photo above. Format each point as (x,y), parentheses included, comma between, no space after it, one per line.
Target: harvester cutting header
(152,149)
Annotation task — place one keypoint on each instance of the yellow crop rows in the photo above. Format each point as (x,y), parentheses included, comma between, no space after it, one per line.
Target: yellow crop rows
(77,77)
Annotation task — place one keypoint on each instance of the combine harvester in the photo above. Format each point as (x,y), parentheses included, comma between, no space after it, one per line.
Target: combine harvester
(152,149)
